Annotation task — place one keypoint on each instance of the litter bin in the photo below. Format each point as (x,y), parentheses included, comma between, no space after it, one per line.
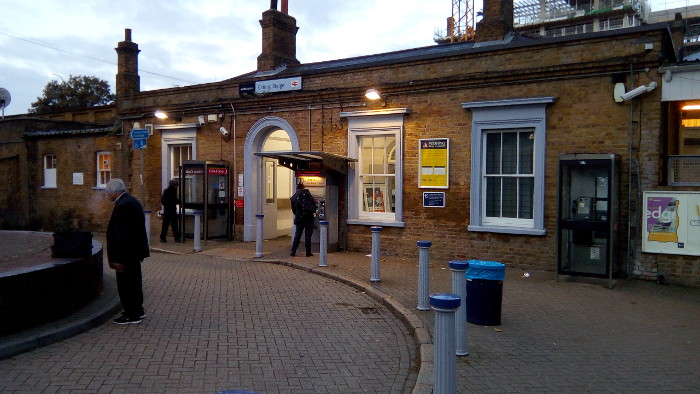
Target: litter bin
(485,292)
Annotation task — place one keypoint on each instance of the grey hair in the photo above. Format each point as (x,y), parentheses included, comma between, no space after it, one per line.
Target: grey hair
(115,185)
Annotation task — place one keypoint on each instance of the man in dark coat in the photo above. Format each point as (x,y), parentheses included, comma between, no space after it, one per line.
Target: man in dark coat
(170,203)
(127,246)
(304,209)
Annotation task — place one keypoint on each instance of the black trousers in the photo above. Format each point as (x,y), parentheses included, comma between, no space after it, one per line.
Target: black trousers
(170,219)
(307,226)
(129,285)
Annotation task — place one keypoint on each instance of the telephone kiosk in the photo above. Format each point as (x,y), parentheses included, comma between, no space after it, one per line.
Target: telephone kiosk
(324,188)
(587,215)
(205,188)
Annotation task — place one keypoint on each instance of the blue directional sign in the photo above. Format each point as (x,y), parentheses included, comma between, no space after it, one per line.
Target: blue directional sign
(140,143)
(139,134)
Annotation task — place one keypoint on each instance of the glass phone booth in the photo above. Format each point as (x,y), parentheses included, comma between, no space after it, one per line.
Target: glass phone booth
(205,188)
(587,215)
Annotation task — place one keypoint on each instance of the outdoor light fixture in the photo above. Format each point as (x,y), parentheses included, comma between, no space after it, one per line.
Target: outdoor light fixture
(160,114)
(373,94)
(691,107)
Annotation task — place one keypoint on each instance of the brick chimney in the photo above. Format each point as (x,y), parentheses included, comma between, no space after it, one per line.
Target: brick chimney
(497,20)
(128,80)
(279,36)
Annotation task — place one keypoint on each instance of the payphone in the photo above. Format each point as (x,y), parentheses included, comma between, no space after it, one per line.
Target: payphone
(205,188)
(324,188)
(587,214)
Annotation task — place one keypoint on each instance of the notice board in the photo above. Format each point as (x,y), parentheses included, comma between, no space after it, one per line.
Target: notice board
(433,163)
(671,222)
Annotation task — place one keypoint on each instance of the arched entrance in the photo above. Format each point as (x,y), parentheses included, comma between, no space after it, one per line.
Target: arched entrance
(268,186)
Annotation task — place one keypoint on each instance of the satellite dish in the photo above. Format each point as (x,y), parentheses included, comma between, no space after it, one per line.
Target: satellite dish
(4,100)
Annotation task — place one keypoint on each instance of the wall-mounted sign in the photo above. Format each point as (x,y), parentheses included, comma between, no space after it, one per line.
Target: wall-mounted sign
(271,86)
(217,171)
(433,163)
(434,199)
(78,178)
(238,203)
(671,223)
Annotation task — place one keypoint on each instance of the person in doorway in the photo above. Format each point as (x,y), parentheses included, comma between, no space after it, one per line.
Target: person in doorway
(127,246)
(304,209)
(170,203)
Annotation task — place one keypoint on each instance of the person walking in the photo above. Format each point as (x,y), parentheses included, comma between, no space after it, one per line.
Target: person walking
(304,209)
(127,246)
(170,202)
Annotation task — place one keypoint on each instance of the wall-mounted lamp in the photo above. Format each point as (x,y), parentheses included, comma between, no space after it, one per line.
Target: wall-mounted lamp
(691,107)
(373,94)
(160,114)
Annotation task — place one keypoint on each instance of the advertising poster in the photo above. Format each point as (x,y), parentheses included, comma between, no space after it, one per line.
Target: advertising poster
(671,223)
(434,158)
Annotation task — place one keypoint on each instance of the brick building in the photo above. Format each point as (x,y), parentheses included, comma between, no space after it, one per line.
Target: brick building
(499,112)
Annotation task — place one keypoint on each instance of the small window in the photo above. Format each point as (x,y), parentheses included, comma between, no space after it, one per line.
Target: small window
(104,168)
(50,171)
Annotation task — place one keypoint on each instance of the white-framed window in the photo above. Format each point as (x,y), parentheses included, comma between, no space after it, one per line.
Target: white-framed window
(375,182)
(49,171)
(104,169)
(507,165)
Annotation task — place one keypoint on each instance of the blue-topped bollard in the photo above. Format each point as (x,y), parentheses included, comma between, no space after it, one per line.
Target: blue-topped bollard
(374,274)
(197,230)
(459,287)
(147,219)
(259,236)
(323,249)
(424,275)
(445,361)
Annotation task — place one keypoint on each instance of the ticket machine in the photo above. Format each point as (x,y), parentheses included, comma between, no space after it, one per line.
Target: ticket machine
(205,189)
(323,186)
(587,215)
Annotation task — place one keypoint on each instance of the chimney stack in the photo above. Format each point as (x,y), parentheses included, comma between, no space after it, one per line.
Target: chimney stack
(128,80)
(278,39)
(497,20)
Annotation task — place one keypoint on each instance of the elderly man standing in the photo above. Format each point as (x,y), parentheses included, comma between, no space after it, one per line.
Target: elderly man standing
(127,246)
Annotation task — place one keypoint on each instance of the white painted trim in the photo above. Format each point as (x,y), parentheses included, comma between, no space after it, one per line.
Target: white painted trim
(389,111)
(174,136)
(176,126)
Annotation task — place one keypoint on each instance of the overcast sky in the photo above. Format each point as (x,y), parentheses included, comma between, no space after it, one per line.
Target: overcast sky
(185,42)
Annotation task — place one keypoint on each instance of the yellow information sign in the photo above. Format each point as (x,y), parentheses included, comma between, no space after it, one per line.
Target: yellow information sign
(433,164)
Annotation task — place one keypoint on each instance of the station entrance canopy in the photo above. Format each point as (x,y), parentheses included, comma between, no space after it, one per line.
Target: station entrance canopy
(298,161)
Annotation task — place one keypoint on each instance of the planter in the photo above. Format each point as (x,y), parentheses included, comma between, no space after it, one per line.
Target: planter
(72,244)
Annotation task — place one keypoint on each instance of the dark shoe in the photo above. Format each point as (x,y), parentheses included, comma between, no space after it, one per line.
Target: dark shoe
(123,319)
(163,240)
(178,240)
(309,254)
(142,316)
(293,254)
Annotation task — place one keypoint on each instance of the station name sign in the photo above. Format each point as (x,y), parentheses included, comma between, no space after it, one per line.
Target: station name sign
(270,86)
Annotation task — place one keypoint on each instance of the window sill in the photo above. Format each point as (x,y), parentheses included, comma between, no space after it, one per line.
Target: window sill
(369,222)
(507,230)
(49,187)
(99,188)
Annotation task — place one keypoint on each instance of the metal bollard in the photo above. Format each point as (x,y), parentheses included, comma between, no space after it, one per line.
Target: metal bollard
(424,275)
(197,230)
(445,361)
(259,236)
(147,218)
(323,249)
(374,277)
(459,287)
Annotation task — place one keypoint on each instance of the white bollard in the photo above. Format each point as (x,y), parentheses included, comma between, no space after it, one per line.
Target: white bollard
(374,275)
(424,275)
(459,287)
(147,218)
(323,250)
(259,236)
(445,361)
(197,230)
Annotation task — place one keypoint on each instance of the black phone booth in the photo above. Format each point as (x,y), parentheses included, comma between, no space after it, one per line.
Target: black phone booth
(587,215)
(205,189)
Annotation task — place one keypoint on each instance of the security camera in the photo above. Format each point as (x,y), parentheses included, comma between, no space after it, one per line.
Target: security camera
(223,131)
(638,91)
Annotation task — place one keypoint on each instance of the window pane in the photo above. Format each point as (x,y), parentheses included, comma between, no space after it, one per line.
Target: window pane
(510,197)
(526,152)
(493,196)
(379,156)
(526,194)
(510,157)
(377,194)
(493,153)
(366,144)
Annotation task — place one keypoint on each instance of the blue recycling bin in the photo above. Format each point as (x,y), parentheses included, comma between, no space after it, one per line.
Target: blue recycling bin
(485,292)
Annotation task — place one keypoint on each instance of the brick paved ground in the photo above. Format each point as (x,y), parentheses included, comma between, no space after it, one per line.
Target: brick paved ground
(574,335)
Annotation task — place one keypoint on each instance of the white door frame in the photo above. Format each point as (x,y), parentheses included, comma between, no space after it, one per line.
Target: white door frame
(253,193)
(185,134)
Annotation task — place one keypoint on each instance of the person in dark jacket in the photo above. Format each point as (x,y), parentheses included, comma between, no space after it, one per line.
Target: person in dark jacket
(170,203)
(304,209)
(127,246)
